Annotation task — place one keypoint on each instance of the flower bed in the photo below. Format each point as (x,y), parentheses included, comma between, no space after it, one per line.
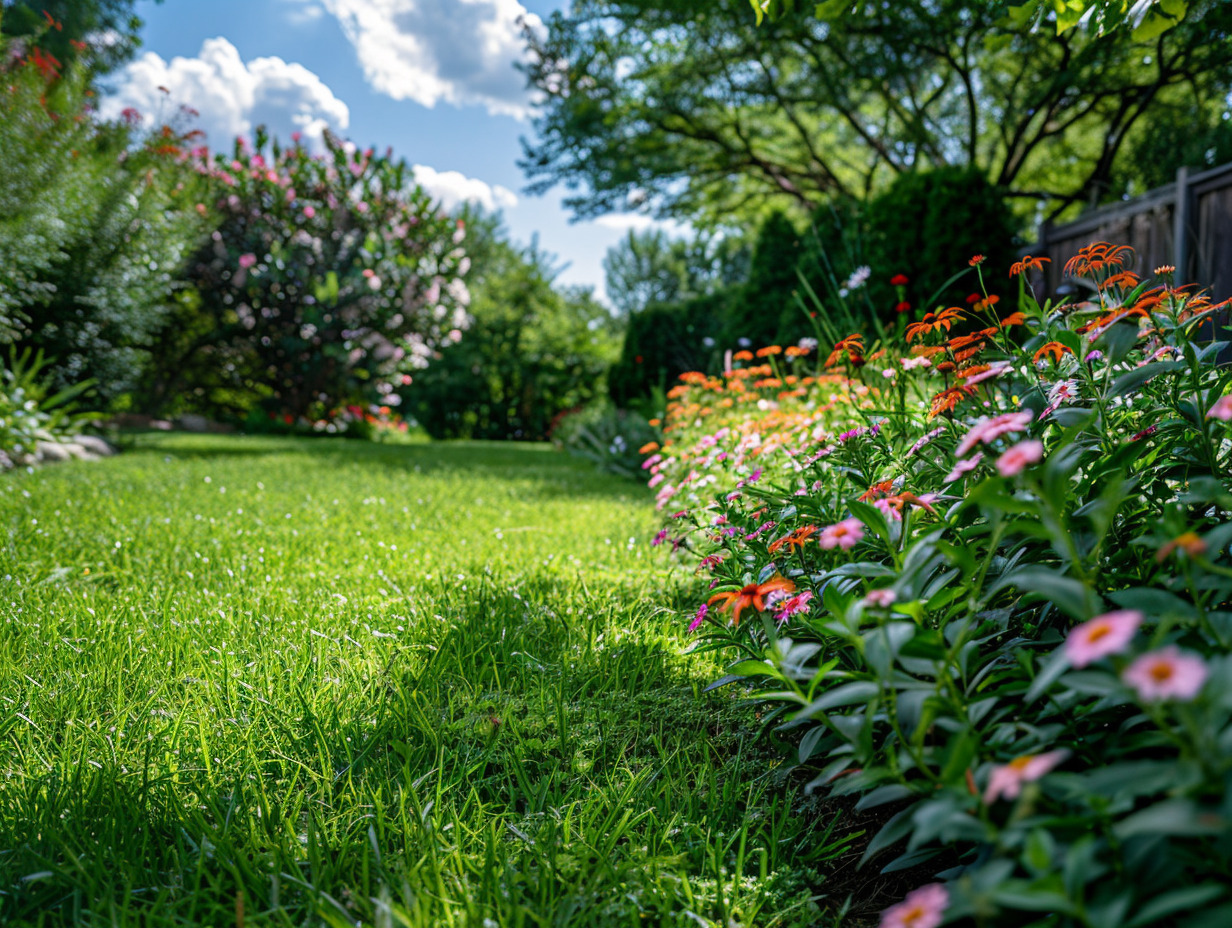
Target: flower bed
(981,574)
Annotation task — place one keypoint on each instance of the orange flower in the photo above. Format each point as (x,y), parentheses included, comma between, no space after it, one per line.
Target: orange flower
(742,356)
(1096,257)
(648,448)
(877,491)
(961,356)
(1055,350)
(852,346)
(976,260)
(1013,319)
(754,594)
(972,371)
(1127,279)
(1189,542)
(987,302)
(795,540)
(768,351)
(959,342)
(946,400)
(934,322)
(1028,264)
(927,351)
(795,351)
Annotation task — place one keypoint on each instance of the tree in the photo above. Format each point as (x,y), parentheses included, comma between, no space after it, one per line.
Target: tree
(329,279)
(64,29)
(652,267)
(1148,18)
(688,108)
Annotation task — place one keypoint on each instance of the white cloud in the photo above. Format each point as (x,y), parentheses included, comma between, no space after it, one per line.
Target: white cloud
(459,51)
(452,188)
(304,12)
(231,97)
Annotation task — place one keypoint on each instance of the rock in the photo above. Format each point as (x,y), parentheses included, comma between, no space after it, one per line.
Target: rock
(78,451)
(52,451)
(96,446)
(194,423)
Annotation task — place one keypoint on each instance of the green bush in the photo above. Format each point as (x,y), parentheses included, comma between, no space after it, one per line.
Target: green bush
(532,351)
(92,234)
(918,226)
(664,341)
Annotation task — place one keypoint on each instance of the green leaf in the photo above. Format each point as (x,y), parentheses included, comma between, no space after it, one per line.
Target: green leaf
(1190,897)
(1049,675)
(1170,817)
(1069,594)
(1140,375)
(846,695)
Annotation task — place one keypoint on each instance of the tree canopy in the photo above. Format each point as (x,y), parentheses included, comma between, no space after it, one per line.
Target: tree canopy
(686,108)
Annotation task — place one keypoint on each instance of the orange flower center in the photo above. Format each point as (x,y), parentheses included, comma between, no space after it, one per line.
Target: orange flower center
(1099,631)
(1019,764)
(914,915)
(1161,672)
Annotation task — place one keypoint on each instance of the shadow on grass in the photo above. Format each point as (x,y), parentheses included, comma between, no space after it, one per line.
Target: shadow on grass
(530,765)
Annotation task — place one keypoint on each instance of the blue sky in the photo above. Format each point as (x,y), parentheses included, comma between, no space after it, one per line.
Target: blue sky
(434,79)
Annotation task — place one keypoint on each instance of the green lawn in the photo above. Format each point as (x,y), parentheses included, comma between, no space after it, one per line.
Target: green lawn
(277,682)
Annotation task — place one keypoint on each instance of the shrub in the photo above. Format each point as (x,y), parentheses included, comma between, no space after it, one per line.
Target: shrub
(925,218)
(982,580)
(328,280)
(614,439)
(89,239)
(664,341)
(532,352)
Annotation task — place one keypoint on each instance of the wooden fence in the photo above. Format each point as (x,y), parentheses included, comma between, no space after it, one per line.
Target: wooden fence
(1187,224)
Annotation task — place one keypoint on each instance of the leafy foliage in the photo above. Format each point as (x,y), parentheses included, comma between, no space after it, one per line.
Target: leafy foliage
(328,280)
(687,109)
(92,231)
(979,572)
(532,352)
(651,267)
(32,411)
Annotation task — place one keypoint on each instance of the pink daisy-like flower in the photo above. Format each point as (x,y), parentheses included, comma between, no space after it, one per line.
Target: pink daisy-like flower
(923,908)
(880,599)
(1166,674)
(1222,410)
(994,370)
(1006,424)
(1103,635)
(1020,456)
(964,467)
(794,605)
(1064,391)
(248,260)
(843,534)
(1007,779)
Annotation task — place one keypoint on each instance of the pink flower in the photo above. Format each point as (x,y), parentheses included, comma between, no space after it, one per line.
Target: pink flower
(1103,635)
(699,618)
(1020,456)
(248,260)
(309,212)
(658,538)
(1222,410)
(994,370)
(923,908)
(987,430)
(1166,674)
(843,534)
(880,599)
(1007,779)
(792,606)
(964,467)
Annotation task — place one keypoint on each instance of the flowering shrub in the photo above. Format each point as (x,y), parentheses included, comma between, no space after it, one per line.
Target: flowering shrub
(982,574)
(329,279)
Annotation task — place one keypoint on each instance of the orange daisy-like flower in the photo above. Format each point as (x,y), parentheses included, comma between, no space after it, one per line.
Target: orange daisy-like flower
(927,351)
(934,322)
(1013,319)
(972,371)
(796,539)
(877,491)
(946,400)
(968,354)
(852,346)
(795,351)
(987,302)
(754,595)
(1126,279)
(769,351)
(1055,350)
(1096,257)
(1189,542)
(649,447)
(976,260)
(743,356)
(1028,263)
